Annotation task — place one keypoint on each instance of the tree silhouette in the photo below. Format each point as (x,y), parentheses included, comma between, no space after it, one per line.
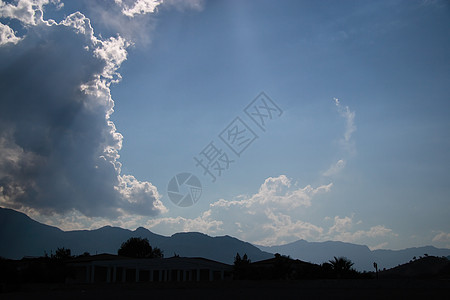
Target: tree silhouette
(62,253)
(139,248)
(241,266)
(237,259)
(85,254)
(375,265)
(158,253)
(341,265)
(245,259)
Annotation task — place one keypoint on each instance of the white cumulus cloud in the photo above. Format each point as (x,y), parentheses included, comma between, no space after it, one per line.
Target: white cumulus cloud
(7,35)
(267,217)
(277,193)
(343,230)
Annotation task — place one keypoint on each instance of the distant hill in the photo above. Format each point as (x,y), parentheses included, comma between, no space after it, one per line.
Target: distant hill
(391,258)
(319,252)
(362,256)
(21,236)
(426,267)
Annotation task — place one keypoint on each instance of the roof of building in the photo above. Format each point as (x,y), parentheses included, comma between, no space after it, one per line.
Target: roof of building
(149,263)
(272,261)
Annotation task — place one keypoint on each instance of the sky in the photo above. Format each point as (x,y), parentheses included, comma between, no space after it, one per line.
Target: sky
(316,120)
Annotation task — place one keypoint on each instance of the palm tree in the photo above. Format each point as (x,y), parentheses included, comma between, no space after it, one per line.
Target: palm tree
(341,265)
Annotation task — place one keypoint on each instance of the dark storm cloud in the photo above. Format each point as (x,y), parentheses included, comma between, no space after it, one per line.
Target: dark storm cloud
(58,148)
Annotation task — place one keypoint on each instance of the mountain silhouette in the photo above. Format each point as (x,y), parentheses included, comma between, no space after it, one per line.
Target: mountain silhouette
(21,236)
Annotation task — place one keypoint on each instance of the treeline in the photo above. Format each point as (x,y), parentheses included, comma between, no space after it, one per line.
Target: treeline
(53,268)
(46,269)
(285,268)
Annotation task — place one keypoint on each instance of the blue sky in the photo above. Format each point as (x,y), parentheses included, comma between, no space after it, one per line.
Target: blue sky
(359,154)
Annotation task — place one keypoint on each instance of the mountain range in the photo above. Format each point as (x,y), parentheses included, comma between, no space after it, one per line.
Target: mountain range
(21,236)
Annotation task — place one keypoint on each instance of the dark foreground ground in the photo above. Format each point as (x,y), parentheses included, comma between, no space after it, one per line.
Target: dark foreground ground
(306,289)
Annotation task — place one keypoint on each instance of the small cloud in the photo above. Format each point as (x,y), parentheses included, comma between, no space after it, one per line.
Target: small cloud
(379,246)
(349,117)
(335,168)
(132,8)
(138,7)
(341,225)
(346,142)
(442,239)
(284,229)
